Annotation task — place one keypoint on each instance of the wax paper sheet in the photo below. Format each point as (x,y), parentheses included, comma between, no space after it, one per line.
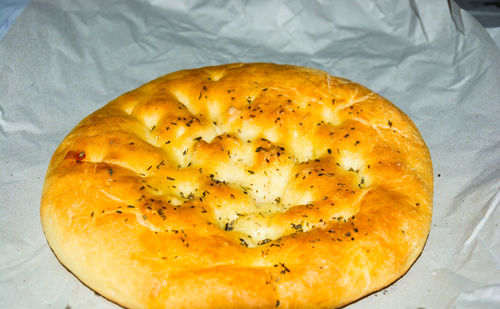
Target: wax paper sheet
(61,60)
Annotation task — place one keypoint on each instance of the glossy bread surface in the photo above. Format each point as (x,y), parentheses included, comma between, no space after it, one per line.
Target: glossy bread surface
(241,185)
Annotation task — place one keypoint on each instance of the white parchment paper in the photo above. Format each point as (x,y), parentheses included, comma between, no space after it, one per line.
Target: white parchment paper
(61,60)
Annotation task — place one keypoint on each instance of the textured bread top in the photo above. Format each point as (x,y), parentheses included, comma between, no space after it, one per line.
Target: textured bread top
(241,185)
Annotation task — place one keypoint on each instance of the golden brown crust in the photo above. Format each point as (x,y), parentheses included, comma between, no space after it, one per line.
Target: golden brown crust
(241,185)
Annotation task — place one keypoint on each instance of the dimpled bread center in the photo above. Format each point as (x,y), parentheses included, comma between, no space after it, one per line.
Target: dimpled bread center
(266,158)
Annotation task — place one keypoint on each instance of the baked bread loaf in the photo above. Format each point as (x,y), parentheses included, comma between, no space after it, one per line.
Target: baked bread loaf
(240,185)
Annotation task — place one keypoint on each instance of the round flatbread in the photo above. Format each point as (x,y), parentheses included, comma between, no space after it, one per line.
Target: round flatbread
(240,185)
